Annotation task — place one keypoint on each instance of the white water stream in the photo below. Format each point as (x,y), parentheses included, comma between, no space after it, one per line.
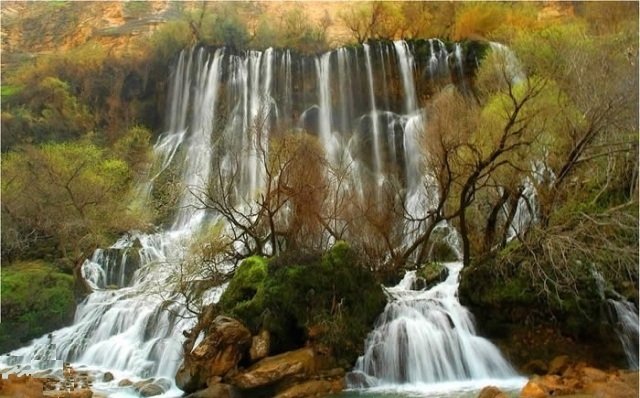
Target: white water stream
(426,340)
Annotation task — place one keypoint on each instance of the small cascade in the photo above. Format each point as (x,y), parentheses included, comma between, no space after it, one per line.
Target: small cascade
(427,337)
(406,63)
(626,322)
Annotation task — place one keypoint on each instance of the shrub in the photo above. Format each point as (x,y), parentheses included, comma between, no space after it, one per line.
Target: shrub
(36,299)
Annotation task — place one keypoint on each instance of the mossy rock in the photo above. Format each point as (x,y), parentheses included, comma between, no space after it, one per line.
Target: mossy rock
(329,300)
(432,274)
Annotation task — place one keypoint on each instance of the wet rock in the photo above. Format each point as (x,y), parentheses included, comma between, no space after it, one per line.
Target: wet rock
(430,275)
(107,377)
(273,369)
(139,384)
(150,390)
(492,392)
(226,343)
(260,346)
(357,380)
(125,383)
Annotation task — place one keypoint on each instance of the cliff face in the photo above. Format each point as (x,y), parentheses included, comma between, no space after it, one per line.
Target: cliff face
(45,27)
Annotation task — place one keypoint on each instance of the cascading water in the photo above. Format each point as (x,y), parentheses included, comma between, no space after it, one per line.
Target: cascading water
(222,107)
(425,337)
(627,326)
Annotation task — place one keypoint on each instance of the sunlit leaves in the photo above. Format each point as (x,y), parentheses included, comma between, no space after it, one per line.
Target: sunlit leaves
(74,192)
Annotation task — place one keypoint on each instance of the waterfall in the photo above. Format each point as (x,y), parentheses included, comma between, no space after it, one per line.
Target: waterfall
(377,156)
(427,336)
(222,107)
(627,328)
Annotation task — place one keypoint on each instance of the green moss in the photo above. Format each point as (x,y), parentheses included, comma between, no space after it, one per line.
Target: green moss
(329,299)
(35,300)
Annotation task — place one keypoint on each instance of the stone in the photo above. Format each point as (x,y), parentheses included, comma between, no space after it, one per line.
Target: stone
(164,383)
(558,365)
(492,392)
(139,384)
(532,390)
(219,390)
(554,385)
(357,380)
(125,383)
(313,388)
(260,345)
(592,374)
(107,377)
(273,369)
(150,390)
(226,343)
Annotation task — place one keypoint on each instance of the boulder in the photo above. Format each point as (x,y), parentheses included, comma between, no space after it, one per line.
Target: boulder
(139,384)
(226,343)
(260,345)
(150,390)
(107,377)
(492,392)
(430,275)
(219,390)
(592,374)
(125,383)
(312,388)
(273,369)
(532,390)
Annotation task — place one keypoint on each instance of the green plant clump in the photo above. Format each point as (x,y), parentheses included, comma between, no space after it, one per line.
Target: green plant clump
(36,299)
(328,299)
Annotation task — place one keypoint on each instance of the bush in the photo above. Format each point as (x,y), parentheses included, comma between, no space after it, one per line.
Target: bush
(36,299)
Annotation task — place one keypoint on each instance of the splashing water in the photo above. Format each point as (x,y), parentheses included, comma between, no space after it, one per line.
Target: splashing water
(426,337)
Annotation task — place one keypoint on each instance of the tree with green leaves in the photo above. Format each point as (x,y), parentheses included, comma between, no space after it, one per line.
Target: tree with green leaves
(73,193)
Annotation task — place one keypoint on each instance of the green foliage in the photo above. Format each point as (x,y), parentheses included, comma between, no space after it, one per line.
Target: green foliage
(328,299)
(73,192)
(53,113)
(135,148)
(36,299)
(8,91)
